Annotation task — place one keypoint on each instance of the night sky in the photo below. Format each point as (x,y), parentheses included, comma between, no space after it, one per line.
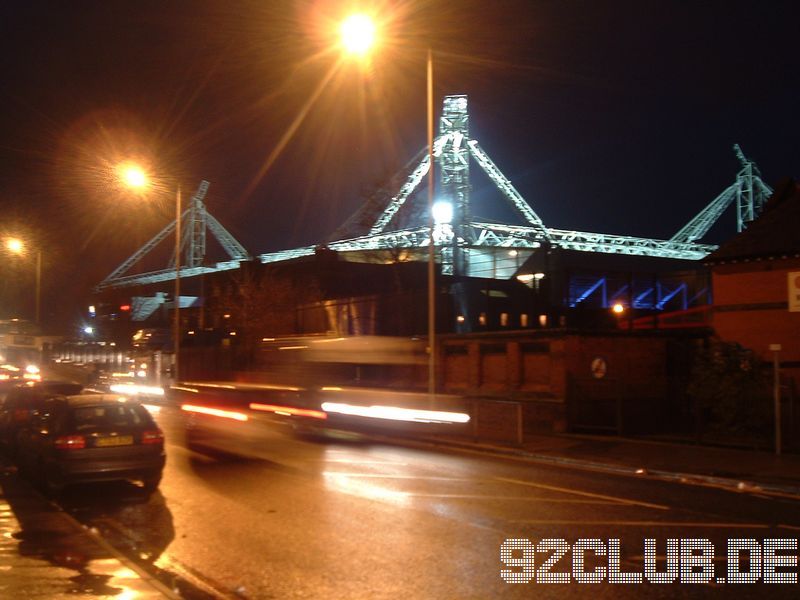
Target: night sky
(615,116)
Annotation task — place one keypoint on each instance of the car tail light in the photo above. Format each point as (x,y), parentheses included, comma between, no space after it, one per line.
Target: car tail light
(70,442)
(152,436)
(216,412)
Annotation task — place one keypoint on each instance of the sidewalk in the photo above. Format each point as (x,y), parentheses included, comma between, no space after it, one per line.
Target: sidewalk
(45,553)
(742,470)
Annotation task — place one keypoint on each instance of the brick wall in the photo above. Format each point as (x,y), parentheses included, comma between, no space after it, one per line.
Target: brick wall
(551,372)
(751,308)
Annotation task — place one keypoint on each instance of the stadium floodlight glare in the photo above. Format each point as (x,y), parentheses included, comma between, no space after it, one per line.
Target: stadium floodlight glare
(442,212)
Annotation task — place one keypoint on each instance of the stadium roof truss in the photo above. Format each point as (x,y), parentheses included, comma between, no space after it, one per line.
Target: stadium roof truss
(452,150)
(399,222)
(197,221)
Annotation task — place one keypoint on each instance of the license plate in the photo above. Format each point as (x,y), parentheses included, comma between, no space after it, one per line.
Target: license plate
(117,440)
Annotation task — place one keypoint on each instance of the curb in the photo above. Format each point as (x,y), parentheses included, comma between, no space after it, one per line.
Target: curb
(98,539)
(726,483)
(146,578)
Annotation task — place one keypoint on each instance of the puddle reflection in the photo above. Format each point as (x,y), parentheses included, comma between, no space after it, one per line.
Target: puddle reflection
(134,523)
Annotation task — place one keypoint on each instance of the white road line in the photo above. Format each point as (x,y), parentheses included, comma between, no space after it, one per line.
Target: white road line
(358,462)
(582,493)
(649,524)
(385,476)
(526,498)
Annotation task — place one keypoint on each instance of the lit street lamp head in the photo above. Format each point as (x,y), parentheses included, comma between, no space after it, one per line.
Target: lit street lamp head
(133,176)
(357,34)
(15,245)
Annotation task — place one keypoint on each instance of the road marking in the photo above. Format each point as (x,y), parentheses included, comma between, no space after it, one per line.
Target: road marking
(649,524)
(384,476)
(527,498)
(355,461)
(582,493)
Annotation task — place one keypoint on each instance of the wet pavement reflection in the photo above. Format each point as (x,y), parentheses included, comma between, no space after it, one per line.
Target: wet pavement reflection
(135,523)
(45,553)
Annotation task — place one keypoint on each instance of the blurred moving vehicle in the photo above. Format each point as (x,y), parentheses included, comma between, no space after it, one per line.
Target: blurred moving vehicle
(19,402)
(241,419)
(247,419)
(92,437)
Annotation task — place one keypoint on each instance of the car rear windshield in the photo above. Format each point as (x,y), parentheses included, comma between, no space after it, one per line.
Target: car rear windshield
(109,416)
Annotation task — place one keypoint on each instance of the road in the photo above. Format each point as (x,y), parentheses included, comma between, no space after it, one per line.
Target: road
(360,519)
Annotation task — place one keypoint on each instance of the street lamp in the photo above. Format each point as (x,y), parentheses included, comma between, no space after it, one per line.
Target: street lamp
(358,36)
(135,177)
(17,246)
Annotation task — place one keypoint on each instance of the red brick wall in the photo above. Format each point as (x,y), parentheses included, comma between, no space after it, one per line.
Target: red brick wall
(535,366)
(639,363)
(548,372)
(751,308)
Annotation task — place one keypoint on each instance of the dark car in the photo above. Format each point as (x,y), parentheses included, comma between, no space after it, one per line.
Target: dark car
(92,437)
(18,403)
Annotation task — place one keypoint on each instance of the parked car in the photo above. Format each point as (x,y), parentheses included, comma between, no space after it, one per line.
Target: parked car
(19,401)
(92,437)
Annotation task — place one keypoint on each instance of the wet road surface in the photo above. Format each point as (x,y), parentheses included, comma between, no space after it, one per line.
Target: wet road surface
(355,519)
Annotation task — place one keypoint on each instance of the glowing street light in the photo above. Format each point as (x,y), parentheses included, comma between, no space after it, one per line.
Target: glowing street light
(357,34)
(15,245)
(135,177)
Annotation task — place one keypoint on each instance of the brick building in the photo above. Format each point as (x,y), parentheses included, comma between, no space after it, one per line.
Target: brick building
(756,282)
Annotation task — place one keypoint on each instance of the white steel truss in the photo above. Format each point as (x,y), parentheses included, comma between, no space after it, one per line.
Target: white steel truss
(750,193)
(193,248)
(451,149)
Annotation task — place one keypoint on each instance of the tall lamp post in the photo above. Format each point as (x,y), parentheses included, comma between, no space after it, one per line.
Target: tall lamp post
(177,294)
(17,246)
(358,37)
(135,178)
(431,241)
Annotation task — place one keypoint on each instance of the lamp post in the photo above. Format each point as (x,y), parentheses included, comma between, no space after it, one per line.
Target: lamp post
(358,35)
(177,295)
(17,246)
(431,241)
(135,178)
